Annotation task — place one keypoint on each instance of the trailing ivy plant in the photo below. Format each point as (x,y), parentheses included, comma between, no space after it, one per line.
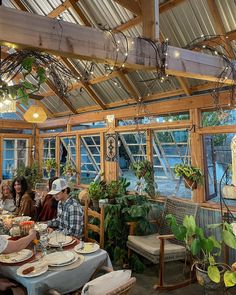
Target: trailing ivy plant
(127,208)
(144,169)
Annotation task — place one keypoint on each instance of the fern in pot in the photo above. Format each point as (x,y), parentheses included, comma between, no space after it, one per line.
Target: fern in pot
(192,175)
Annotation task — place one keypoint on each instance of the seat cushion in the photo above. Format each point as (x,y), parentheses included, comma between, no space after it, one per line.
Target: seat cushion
(106,283)
(151,244)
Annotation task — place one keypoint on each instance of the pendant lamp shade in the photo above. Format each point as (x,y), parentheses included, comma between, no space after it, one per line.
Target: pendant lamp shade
(35,114)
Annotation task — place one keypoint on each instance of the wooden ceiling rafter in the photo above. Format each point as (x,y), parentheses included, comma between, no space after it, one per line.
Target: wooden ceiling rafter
(130,87)
(85,85)
(220,30)
(132,6)
(59,9)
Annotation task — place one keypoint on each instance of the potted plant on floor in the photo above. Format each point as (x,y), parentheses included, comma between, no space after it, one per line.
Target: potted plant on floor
(97,191)
(204,250)
(192,175)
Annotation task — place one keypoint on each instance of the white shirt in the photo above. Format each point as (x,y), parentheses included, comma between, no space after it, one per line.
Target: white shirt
(3,243)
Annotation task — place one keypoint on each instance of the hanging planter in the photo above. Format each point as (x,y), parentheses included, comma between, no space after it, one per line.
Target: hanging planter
(192,175)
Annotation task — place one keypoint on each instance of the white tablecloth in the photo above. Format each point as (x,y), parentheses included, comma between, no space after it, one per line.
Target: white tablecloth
(64,281)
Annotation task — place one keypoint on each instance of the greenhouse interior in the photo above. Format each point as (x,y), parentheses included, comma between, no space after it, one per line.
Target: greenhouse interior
(117,147)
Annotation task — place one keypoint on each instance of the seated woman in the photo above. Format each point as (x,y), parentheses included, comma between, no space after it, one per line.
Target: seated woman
(6,196)
(8,287)
(24,200)
(48,206)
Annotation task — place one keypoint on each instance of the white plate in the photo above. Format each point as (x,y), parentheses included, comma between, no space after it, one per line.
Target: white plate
(40,226)
(16,256)
(59,258)
(39,269)
(53,241)
(87,248)
(76,256)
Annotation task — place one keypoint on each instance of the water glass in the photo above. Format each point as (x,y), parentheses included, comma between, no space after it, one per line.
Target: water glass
(61,238)
(44,242)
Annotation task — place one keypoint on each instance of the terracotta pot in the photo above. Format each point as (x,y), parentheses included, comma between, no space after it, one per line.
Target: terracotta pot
(190,184)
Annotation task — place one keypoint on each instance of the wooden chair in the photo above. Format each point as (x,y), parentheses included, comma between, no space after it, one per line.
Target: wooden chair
(162,247)
(99,229)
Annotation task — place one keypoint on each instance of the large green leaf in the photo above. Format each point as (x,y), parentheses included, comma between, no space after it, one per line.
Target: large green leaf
(230,278)
(195,246)
(213,273)
(207,245)
(229,239)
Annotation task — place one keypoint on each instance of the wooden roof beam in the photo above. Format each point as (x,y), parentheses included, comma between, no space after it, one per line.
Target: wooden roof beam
(41,33)
(169,5)
(220,27)
(150,19)
(20,5)
(203,101)
(125,81)
(80,13)
(132,6)
(60,9)
(184,85)
(86,86)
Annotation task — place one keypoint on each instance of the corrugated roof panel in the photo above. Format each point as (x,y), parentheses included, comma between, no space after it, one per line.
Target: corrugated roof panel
(227,10)
(186,22)
(80,98)
(54,104)
(109,92)
(9,116)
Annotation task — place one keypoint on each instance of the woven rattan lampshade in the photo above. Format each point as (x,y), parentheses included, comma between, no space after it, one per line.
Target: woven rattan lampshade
(35,114)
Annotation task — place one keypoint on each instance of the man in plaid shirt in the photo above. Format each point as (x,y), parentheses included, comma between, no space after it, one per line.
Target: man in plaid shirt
(70,216)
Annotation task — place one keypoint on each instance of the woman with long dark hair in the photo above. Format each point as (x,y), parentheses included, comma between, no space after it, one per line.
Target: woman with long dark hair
(24,199)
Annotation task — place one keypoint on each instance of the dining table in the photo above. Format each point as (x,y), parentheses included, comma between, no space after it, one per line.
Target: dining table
(64,279)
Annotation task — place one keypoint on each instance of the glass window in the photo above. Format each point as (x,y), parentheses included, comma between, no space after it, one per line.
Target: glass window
(154,119)
(90,158)
(49,152)
(15,153)
(219,118)
(169,148)
(84,126)
(132,148)
(218,179)
(68,158)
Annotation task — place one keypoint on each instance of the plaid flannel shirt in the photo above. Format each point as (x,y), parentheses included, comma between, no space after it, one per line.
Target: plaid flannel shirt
(70,217)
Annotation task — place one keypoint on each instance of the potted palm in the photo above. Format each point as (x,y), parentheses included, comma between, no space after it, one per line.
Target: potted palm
(204,251)
(192,175)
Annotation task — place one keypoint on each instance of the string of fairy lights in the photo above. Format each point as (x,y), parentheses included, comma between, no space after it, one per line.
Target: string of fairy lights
(217,45)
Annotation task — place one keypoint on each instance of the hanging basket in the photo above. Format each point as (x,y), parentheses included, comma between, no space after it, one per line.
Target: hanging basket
(190,184)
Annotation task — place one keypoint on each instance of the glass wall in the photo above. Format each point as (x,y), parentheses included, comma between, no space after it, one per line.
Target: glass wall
(49,152)
(90,158)
(132,148)
(15,153)
(68,158)
(170,148)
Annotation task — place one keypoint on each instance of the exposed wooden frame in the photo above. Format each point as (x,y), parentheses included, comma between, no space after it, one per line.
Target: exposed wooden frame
(42,33)
(150,19)
(203,101)
(220,27)
(132,6)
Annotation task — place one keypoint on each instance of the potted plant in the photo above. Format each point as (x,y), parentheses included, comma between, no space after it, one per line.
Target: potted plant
(204,251)
(97,191)
(50,165)
(143,170)
(116,189)
(192,175)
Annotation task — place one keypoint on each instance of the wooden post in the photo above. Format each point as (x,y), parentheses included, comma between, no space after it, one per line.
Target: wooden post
(78,157)
(58,155)
(1,153)
(197,152)
(150,18)
(111,167)
(149,146)
(102,153)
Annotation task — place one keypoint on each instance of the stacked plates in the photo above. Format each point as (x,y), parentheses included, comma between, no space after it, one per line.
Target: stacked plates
(61,258)
(53,241)
(16,257)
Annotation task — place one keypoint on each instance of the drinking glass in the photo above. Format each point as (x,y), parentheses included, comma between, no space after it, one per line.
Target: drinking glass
(61,238)
(40,190)
(44,242)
